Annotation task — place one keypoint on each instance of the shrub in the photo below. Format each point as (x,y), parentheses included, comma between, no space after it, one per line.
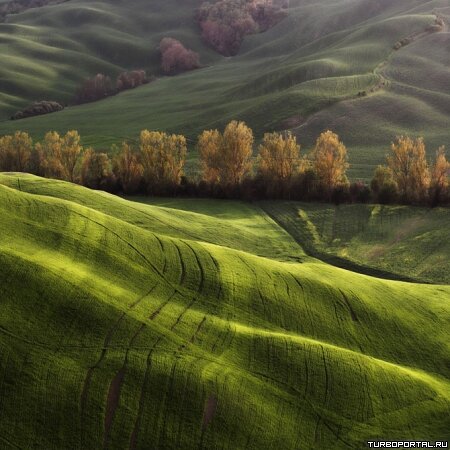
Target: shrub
(94,89)
(131,80)
(175,58)
(359,192)
(37,109)
(383,186)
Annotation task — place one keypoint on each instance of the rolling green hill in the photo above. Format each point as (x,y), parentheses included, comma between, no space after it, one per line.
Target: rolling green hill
(410,242)
(304,74)
(176,325)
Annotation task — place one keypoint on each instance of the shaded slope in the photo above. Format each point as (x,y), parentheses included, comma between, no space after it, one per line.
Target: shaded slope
(121,338)
(394,242)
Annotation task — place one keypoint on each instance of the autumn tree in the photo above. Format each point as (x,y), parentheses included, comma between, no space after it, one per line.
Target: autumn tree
(278,157)
(330,161)
(60,155)
(50,150)
(95,88)
(209,146)
(225,23)
(7,163)
(96,170)
(440,171)
(15,151)
(410,168)
(131,80)
(163,157)
(226,158)
(71,151)
(383,186)
(176,58)
(127,169)
(236,152)
(36,162)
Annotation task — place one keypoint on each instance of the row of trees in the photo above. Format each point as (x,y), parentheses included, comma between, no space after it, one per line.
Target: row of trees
(175,58)
(101,86)
(155,165)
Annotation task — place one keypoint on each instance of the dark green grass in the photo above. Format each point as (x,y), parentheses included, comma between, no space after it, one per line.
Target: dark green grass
(397,241)
(119,332)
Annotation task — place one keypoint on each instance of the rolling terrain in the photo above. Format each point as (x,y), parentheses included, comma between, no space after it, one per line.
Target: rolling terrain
(410,243)
(304,74)
(202,324)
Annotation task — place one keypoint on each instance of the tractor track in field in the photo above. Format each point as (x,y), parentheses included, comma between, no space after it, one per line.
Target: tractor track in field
(158,310)
(114,390)
(182,265)
(152,265)
(200,268)
(90,372)
(349,307)
(304,298)
(258,288)
(197,331)
(166,224)
(137,423)
(106,346)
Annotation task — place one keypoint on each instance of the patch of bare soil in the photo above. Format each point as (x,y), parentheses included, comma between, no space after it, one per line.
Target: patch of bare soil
(210,410)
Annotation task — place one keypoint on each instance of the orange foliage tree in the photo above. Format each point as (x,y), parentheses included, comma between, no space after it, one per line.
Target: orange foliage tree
(15,152)
(410,168)
(163,157)
(51,153)
(440,172)
(330,161)
(209,145)
(128,169)
(60,155)
(278,157)
(226,159)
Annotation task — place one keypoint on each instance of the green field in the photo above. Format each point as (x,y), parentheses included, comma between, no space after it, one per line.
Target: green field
(304,74)
(387,241)
(199,324)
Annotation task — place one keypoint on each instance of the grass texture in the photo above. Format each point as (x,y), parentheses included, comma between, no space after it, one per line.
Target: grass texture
(201,324)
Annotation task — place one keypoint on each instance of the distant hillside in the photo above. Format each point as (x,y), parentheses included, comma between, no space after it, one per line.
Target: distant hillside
(326,65)
(133,326)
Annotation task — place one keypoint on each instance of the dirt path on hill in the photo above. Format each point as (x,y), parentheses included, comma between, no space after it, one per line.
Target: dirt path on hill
(379,71)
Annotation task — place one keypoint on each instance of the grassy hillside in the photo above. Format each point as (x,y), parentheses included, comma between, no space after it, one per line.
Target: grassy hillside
(399,240)
(314,62)
(136,326)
